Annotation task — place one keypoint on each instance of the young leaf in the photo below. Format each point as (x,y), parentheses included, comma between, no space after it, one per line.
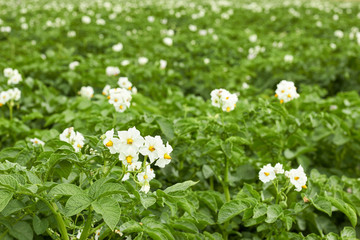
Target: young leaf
(109,209)
(273,213)
(76,204)
(232,208)
(180,187)
(5,197)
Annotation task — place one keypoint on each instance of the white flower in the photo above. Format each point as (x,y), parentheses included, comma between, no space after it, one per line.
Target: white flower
(117,47)
(192,28)
(245,85)
(73,65)
(112,143)
(168,41)
(75,139)
(112,71)
(125,83)
(131,138)
(164,155)
(71,34)
(134,90)
(97,234)
(151,19)
(4,98)
(106,89)
(87,92)
(267,173)
(333,45)
(5,29)
(135,166)
(286,91)
(37,142)
(143,60)
(86,19)
(298,178)
(14,79)
(128,156)
(202,32)
(253,38)
(79,234)
(120,98)
(288,58)
(333,107)
(100,21)
(163,64)
(14,94)
(151,147)
(145,177)
(206,61)
(8,72)
(125,62)
(223,99)
(278,168)
(339,34)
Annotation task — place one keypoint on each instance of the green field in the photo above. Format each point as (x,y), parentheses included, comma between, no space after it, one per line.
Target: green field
(179,120)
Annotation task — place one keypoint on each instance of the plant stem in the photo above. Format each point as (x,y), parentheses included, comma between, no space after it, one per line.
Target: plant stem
(212,183)
(11,110)
(85,232)
(226,180)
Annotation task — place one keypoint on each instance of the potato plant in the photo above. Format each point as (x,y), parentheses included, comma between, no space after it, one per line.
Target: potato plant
(210,120)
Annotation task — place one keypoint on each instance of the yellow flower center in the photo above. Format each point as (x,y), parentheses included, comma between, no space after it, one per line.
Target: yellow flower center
(121,107)
(289,96)
(167,156)
(266,173)
(129,159)
(151,148)
(228,109)
(146,177)
(304,187)
(108,97)
(296,178)
(281,101)
(109,144)
(115,100)
(36,142)
(1,104)
(282,91)
(79,146)
(129,88)
(276,95)
(130,141)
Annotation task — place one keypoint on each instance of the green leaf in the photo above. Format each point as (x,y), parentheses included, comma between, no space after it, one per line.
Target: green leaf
(185,226)
(5,197)
(209,199)
(76,204)
(131,227)
(40,225)
(166,127)
(180,187)
(345,208)
(96,189)
(109,189)
(227,148)
(232,208)
(348,233)
(8,181)
(288,222)
(109,209)
(33,178)
(260,210)
(322,204)
(273,213)
(147,200)
(65,189)
(13,206)
(21,231)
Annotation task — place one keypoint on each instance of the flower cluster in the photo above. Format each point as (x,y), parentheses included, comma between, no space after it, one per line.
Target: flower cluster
(286,91)
(129,144)
(37,142)
(76,139)
(13,75)
(297,176)
(112,71)
(120,98)
(87,92)
(13,94)
(223,99)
